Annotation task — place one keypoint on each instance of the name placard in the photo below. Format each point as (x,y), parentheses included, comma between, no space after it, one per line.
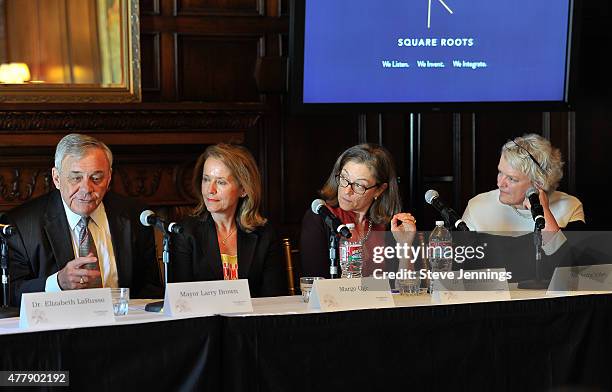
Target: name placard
(68,308)
(567,280)
(207,298)
(348,294)
(485,285)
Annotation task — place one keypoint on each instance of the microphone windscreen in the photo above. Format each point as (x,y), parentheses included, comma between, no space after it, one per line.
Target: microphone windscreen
(175,228)
(430,195)
(144,217)
(316,204)
(7,229)
(531,191)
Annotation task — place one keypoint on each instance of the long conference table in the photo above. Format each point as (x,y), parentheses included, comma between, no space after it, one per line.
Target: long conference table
(533,342)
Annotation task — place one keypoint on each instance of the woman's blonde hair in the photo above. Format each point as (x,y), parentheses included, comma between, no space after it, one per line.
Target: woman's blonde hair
(243,168)
(537,158)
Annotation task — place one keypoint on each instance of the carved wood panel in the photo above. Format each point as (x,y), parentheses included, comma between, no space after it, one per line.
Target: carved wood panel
(158,176)
(47,122)
(21,183)
(156,184)
(154,151)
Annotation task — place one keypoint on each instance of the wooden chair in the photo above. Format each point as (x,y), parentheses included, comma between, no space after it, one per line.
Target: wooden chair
(290,266)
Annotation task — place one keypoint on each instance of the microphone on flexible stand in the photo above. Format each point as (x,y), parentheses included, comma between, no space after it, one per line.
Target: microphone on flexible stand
(452,218)
(7,230)
(337,229)
(6,311)
(149,218)
(319,207)
(537,211)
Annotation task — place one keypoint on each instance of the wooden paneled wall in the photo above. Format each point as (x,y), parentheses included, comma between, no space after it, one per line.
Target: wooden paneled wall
(212,71)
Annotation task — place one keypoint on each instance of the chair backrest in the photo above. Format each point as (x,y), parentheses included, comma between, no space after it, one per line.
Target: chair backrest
(289,265)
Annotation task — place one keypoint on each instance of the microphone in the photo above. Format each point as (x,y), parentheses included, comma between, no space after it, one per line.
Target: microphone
(433,197)
(537,211)
(149,218)
(318,207)
(7,230)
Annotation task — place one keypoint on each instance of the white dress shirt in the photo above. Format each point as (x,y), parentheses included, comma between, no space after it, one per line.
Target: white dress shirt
(100,232)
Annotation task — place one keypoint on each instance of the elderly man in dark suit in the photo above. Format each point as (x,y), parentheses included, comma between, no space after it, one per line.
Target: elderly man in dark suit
(80,235)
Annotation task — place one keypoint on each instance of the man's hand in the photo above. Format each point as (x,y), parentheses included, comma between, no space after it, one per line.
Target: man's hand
(74,276)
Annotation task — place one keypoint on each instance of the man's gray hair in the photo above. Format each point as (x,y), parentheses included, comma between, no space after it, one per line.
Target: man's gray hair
(77,145)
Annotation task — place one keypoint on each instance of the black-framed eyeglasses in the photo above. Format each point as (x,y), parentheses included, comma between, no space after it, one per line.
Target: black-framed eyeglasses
(357,188)
(530,156)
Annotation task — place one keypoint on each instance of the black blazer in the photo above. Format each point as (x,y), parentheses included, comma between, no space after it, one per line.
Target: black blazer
(196,257)
(43,245)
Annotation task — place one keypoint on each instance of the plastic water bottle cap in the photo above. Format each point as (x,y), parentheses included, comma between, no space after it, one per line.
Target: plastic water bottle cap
(439,223)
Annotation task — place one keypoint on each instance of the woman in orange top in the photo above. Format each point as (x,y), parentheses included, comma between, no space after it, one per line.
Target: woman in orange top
(227,237)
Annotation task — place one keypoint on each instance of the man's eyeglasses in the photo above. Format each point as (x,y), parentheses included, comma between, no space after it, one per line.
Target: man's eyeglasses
(530,156)
(357,188)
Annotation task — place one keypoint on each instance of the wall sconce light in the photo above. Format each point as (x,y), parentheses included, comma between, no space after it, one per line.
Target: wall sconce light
(14,73)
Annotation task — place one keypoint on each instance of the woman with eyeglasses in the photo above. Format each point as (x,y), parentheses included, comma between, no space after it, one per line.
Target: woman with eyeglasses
(361,189)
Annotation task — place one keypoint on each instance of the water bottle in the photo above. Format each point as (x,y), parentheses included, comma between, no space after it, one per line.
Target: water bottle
(422,262)
(351,256)
(440,250)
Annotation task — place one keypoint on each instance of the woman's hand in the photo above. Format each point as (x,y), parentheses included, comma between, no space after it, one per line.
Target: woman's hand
(551,226)
(543,200)
(403,227)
